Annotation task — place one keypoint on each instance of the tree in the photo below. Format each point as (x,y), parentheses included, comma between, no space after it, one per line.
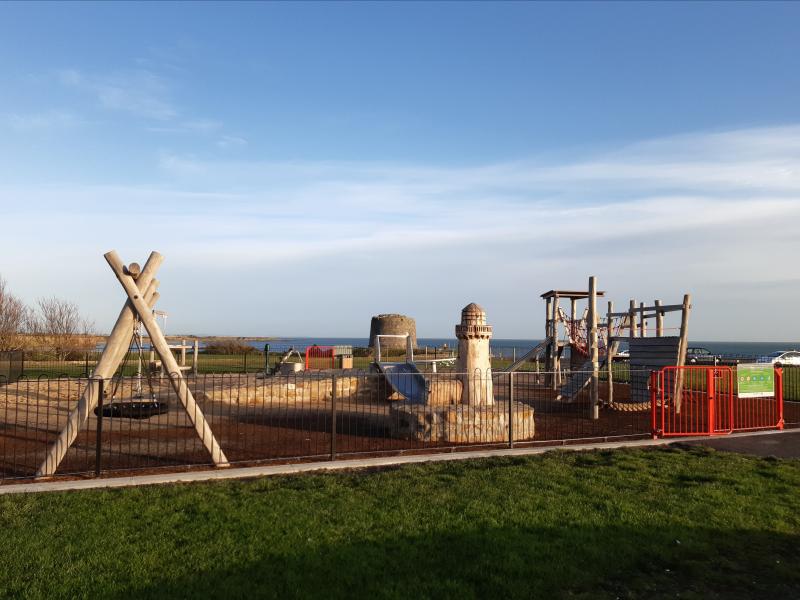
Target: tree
(59,324)
(13,315)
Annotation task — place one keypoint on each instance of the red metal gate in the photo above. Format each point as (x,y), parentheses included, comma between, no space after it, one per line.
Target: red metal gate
(761,413)
(320,357)
(701,400)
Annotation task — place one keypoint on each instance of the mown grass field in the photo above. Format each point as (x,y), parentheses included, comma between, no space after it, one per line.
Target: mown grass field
(656,523)
(251,362)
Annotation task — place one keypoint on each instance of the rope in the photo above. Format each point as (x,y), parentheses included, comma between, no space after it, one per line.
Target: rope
(149,374)
(630,406)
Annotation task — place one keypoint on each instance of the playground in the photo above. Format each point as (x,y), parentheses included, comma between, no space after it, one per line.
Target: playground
(573,387)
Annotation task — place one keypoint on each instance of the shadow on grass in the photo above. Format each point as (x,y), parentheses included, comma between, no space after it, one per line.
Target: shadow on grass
(570,561)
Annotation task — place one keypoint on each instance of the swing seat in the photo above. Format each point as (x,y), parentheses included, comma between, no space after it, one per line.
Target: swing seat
(140,409)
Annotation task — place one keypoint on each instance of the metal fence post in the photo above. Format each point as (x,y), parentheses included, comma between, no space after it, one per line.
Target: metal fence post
(779,395)
(654,390)
(711,397)
(98,443)
(245,362)
(266,358)
(333,417)
(511,409)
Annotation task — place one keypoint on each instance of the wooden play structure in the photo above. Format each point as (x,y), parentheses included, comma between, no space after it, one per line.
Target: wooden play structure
(140,286)
(593,344)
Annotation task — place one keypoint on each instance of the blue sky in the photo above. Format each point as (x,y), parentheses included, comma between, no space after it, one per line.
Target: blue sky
(304,166)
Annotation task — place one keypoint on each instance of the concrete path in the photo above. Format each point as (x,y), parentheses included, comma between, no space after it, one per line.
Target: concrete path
(765,439)
(784,444)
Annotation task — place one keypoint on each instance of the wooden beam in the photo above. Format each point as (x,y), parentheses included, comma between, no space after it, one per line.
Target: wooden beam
(117,344)
(659,319)
(611,350)
(557,354)
(594,355)
(653,309)
(134,270)
(551,342)
(682,348)
(168,360)
(642,321)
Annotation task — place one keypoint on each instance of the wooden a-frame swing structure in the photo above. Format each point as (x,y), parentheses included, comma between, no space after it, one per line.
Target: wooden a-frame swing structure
(141,287)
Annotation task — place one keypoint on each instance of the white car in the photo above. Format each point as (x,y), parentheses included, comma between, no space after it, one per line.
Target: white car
(782,357)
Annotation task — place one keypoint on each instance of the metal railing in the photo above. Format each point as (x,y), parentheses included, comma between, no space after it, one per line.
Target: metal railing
(143,426)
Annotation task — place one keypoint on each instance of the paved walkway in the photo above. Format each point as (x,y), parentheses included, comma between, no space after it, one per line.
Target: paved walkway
(772,443)
(784,444)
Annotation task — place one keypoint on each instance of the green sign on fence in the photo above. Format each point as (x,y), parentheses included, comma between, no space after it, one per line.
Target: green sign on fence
(755,380)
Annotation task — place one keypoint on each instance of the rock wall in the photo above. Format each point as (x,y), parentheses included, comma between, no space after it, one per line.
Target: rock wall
(296,391)
(461,423)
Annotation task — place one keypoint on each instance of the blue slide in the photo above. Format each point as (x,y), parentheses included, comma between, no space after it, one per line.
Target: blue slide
(406,379)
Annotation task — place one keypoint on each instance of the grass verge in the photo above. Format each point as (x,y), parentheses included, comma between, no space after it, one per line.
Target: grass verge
(645,523)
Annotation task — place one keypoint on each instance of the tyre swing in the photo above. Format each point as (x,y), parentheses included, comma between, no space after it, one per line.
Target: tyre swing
(139,406)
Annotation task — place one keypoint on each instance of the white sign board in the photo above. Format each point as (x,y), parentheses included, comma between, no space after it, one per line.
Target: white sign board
(755,380)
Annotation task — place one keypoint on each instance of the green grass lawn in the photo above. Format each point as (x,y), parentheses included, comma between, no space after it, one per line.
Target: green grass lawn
(656,523)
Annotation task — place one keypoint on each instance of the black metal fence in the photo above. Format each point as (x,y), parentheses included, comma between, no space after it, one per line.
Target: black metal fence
(12,365)
(144,426)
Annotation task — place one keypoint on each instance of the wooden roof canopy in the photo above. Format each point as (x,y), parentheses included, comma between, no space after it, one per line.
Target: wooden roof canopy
(571,294)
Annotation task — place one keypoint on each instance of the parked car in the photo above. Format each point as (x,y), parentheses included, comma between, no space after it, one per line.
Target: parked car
(782,357)
(700,355)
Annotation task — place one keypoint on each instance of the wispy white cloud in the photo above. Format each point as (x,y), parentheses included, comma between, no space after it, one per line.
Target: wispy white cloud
(739,163)
(228,142)
(660,217)
(41,121)
(145,94)
(204,126)
(139,92)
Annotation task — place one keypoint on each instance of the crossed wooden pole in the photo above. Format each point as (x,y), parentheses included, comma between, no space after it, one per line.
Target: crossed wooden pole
(140,285)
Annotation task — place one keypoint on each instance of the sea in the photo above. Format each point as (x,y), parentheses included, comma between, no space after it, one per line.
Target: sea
(510,347)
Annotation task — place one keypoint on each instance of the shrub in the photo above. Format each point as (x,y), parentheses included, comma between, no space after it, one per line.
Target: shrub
(228,347)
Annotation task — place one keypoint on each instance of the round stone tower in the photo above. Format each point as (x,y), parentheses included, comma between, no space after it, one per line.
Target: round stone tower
(392,325)
(473,356)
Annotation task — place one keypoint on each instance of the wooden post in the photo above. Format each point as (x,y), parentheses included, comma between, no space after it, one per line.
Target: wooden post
(183,353)
(557,350)
(682,348)
(196,356)
(548,332)
(175,375)
(659,319)
(116,347)
(610,352)
(594,398)
(632,319)
(573,314)
(642,320)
